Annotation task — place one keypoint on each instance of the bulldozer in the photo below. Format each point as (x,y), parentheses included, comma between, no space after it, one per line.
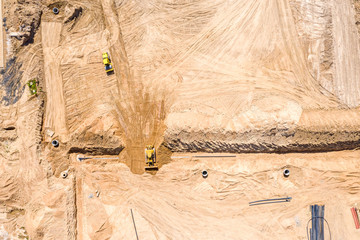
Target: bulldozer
(150,158)
(107,63)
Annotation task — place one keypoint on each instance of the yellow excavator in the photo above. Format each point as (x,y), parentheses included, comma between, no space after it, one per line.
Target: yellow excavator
(107,63)
(150,158)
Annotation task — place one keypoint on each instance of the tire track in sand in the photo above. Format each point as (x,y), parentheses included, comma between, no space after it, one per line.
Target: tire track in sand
(141,114)
(55,116)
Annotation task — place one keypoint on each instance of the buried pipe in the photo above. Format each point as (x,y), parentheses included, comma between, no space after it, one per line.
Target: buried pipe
(286,173)
(55,10)
(64,174)
(55,143)
(204,174)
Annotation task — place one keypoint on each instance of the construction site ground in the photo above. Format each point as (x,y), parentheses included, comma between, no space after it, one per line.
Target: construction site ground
(242,89)
(178,203)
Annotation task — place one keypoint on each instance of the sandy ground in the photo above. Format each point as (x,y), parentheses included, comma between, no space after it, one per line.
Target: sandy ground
(178,203)
(55,109)
(274,83)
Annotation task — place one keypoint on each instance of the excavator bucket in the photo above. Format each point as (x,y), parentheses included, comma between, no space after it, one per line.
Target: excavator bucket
(151,168)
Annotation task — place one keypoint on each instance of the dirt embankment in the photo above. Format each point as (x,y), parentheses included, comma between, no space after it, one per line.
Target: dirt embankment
(254,99)
(314,131)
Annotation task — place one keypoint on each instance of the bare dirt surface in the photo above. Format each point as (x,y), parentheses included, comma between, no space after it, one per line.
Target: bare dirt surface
(242,89)
(178,203)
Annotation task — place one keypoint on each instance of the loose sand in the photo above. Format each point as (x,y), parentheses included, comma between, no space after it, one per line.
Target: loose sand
(178,203)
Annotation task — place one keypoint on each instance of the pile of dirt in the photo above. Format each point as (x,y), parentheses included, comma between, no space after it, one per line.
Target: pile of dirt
(22,20)
(311,131)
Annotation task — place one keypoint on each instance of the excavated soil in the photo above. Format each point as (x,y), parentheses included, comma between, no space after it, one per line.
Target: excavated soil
(243,89)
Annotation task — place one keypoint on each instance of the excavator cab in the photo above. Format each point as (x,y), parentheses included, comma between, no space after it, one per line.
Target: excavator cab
(150,158)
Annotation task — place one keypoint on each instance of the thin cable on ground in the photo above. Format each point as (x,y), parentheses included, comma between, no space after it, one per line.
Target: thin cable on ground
(272,199)
(307,227)
(132,216)
(268,202)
